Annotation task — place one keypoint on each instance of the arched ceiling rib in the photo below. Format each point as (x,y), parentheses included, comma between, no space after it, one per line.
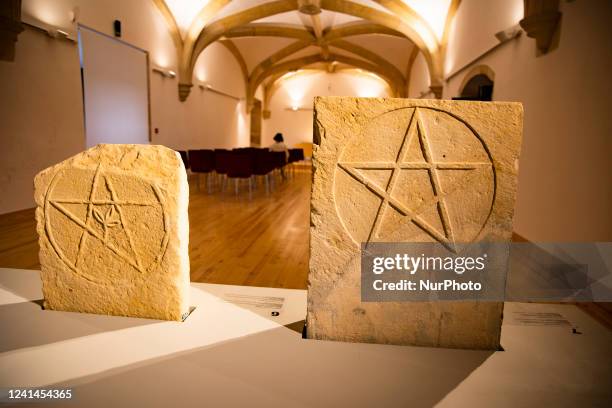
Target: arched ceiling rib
(295,64)
(380,36)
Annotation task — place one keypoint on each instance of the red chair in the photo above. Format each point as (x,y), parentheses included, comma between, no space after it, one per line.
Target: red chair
(221,160)
(184,157)
(296,155)
(263,164)
(279,159)
(202,161)
(240,166)
(221,164)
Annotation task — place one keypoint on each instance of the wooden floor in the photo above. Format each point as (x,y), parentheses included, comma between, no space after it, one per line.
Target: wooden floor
(256,240)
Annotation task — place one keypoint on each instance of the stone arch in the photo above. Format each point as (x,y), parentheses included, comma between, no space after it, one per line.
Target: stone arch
(298,63)
(475,72)
(427,44)
(274,83)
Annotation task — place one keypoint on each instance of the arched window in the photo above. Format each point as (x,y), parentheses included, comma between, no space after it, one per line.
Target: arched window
(477,84)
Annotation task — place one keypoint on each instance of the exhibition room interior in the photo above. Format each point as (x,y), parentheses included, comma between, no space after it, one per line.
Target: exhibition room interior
(217,81)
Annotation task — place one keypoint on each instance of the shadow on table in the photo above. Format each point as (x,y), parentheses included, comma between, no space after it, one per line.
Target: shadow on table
(24,283)
(26,324)
(279,368)
(31,326)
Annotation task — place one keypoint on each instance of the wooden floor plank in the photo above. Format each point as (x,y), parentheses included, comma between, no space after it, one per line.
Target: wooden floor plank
(256,240)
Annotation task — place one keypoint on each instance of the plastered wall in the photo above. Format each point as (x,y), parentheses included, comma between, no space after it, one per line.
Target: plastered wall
(41,119)
(565,182)
(300,91)
(41,114)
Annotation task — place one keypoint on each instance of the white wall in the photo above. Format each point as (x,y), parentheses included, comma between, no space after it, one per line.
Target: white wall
(206,119)
(565,182)
(418,84)
(300,91)
(41,116)
(473,28)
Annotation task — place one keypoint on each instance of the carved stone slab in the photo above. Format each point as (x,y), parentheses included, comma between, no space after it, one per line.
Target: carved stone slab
(401,170)
(114,232)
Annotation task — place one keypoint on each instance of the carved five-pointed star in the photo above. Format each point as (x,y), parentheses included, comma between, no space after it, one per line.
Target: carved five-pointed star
(108,214)
(386,192)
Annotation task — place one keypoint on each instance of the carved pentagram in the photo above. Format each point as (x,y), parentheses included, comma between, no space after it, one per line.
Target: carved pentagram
(101,217)
(402,166)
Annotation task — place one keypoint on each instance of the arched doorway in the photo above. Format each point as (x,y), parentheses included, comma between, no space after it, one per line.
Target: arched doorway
(477,85)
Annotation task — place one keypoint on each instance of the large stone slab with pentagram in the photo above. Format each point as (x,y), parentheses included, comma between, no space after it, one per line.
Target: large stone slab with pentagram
(113,232)
(418,171)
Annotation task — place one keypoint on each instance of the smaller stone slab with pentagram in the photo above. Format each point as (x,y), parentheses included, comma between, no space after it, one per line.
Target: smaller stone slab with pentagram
(409,171)
(113,232)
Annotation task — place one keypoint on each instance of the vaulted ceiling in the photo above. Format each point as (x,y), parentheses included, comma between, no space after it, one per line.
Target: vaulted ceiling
(270,38)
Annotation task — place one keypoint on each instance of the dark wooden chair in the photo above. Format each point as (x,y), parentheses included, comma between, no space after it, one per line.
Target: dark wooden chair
(296,155)
(203,162)
(263,164)
(240,167)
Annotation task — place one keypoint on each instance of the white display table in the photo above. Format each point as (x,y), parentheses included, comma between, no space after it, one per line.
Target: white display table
(232,352)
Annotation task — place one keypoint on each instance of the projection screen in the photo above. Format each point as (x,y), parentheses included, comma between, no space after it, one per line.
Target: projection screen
(115,89)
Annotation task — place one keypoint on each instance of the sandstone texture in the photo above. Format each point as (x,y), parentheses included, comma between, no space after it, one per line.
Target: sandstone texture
(401,170)
(114,232)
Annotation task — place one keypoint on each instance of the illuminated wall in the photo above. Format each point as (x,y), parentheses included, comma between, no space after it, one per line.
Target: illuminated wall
(42,111)
(419,78)
(41,114)
(298,92)
(565,181)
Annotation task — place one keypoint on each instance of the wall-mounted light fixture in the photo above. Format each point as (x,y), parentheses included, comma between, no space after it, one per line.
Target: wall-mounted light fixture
(166,73)
(296,108)
(53,32)
(209,88)
(509,33)
(57,33)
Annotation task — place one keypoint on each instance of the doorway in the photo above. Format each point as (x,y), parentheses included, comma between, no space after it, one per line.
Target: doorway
(477,84)
(479,88)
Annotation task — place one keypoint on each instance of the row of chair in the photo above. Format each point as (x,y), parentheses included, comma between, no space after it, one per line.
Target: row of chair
(241,163)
